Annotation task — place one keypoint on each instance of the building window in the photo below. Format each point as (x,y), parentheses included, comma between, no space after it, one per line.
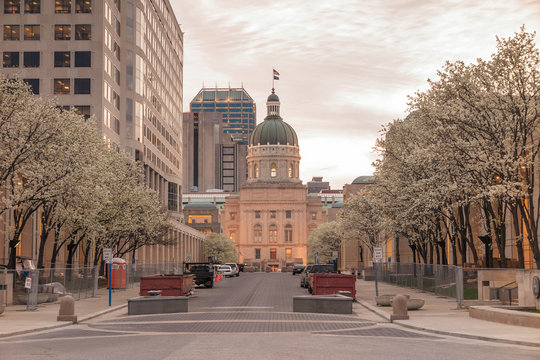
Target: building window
(31,32)
(62,59)
(62,6)
(313,216)
(12,32)
(10,59)
(61,86)
(273,254)
(173,197)
(116,100)
(83,110)
(12,6)
(83,6)
(116,75)
(116,125)
(116,50)
(288,253)
(83,32)
(257,253)
(273,170)
(233,216)
(288,233)
(272,233)
(273,214)
(32,6)
(291,171)
(31,59)
(34,85)
(232,235)
(257,214)
(82,86)
(257,234)
(256,171)
(83,59)
(288,214)
(117,3)
(62,32)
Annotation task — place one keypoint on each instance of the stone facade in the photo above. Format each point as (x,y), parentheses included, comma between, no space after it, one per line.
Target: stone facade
(272,216)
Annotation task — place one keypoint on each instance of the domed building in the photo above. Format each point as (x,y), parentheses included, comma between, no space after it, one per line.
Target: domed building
(272,216)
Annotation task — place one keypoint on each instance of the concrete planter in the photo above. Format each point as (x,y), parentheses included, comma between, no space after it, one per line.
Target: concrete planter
(415,304)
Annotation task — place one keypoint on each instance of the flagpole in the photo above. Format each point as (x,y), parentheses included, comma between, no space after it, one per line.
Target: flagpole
(273,78)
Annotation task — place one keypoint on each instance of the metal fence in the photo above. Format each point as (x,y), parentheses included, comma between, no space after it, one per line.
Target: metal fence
(33,287)
(444,280)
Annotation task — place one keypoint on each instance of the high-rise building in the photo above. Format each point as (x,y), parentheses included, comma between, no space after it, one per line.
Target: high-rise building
(119,61)
(236,106)
(211,159)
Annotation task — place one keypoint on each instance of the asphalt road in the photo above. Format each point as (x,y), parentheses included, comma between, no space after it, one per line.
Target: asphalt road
(249,317)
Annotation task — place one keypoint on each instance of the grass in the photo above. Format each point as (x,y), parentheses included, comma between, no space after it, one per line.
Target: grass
(530,310)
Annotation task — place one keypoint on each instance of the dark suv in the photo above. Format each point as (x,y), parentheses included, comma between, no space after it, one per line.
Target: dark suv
(297,269)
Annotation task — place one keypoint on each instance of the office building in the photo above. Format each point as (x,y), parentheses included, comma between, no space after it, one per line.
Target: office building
(236,106)
(120,62)
(211,159)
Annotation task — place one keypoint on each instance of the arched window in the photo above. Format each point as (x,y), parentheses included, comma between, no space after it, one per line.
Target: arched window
(273,170)
(272,233)
(288,233)
(290,170)
(257,234)
(256,171)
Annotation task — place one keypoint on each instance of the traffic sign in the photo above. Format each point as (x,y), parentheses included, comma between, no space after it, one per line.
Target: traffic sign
(377,254)
(334,255)
(107,255)
(28,283)
(188,256)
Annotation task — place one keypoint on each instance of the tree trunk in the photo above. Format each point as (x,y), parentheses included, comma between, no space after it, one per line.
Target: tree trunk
(518,235)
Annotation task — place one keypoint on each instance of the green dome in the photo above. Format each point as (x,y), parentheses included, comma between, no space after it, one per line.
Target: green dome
(364,180)
(273,97)
(273,130)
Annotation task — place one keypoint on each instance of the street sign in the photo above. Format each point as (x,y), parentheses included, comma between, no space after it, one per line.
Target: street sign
(377,254)
(188,256)
(107,255)
(28,283)
(334,255)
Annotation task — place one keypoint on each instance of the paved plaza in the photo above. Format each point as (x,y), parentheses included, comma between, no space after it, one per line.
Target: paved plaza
(251,317)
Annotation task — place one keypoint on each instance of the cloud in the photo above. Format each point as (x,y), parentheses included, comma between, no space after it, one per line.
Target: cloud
(346,66)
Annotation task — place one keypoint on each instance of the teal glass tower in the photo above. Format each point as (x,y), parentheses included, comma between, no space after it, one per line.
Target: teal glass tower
(236,106)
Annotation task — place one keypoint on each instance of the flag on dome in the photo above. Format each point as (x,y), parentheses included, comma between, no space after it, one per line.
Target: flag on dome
(276,74)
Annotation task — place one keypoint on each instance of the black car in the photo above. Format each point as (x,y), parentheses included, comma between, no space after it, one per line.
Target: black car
(298,269)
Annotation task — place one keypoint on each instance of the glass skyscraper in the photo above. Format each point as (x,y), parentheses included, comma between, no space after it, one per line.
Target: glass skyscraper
(235,104)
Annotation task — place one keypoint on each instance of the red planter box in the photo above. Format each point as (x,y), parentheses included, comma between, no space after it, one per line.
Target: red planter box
(170,285)
(327,284)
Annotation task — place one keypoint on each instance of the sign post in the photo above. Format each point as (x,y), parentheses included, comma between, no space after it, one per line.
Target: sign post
(377,257)
(107,257)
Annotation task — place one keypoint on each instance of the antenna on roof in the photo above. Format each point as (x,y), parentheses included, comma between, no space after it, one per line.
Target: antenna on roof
(229,84)
(242,84)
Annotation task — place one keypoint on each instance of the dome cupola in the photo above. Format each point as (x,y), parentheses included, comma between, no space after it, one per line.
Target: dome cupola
(273,130)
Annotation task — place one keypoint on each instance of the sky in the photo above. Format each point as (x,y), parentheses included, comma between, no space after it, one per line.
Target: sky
(346,66)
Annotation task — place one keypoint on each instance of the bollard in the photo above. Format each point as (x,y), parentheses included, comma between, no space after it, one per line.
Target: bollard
(399,308)
(67,310)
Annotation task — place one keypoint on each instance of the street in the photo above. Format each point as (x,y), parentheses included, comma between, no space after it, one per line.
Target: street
(248,317)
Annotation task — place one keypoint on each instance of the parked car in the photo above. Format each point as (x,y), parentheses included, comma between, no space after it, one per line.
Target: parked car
(204,273)
(226,270)
(297,269)
(304,275)
(319,269)
(235,268)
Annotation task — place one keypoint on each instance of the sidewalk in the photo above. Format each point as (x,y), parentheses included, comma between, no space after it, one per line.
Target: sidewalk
(440,315)
(16,320)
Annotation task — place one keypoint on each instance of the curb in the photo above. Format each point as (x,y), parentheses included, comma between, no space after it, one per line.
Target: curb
(62,324)
(402,323)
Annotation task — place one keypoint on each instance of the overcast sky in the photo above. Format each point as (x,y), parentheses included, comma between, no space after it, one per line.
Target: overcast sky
(346,66)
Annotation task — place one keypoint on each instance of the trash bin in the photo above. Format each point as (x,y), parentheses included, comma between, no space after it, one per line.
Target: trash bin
(119,273)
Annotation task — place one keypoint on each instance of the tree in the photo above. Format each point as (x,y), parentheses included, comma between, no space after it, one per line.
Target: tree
(325,239)
(221,247)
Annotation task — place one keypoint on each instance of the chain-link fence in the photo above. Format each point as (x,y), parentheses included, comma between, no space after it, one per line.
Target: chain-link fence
(33,287)
(444,280)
